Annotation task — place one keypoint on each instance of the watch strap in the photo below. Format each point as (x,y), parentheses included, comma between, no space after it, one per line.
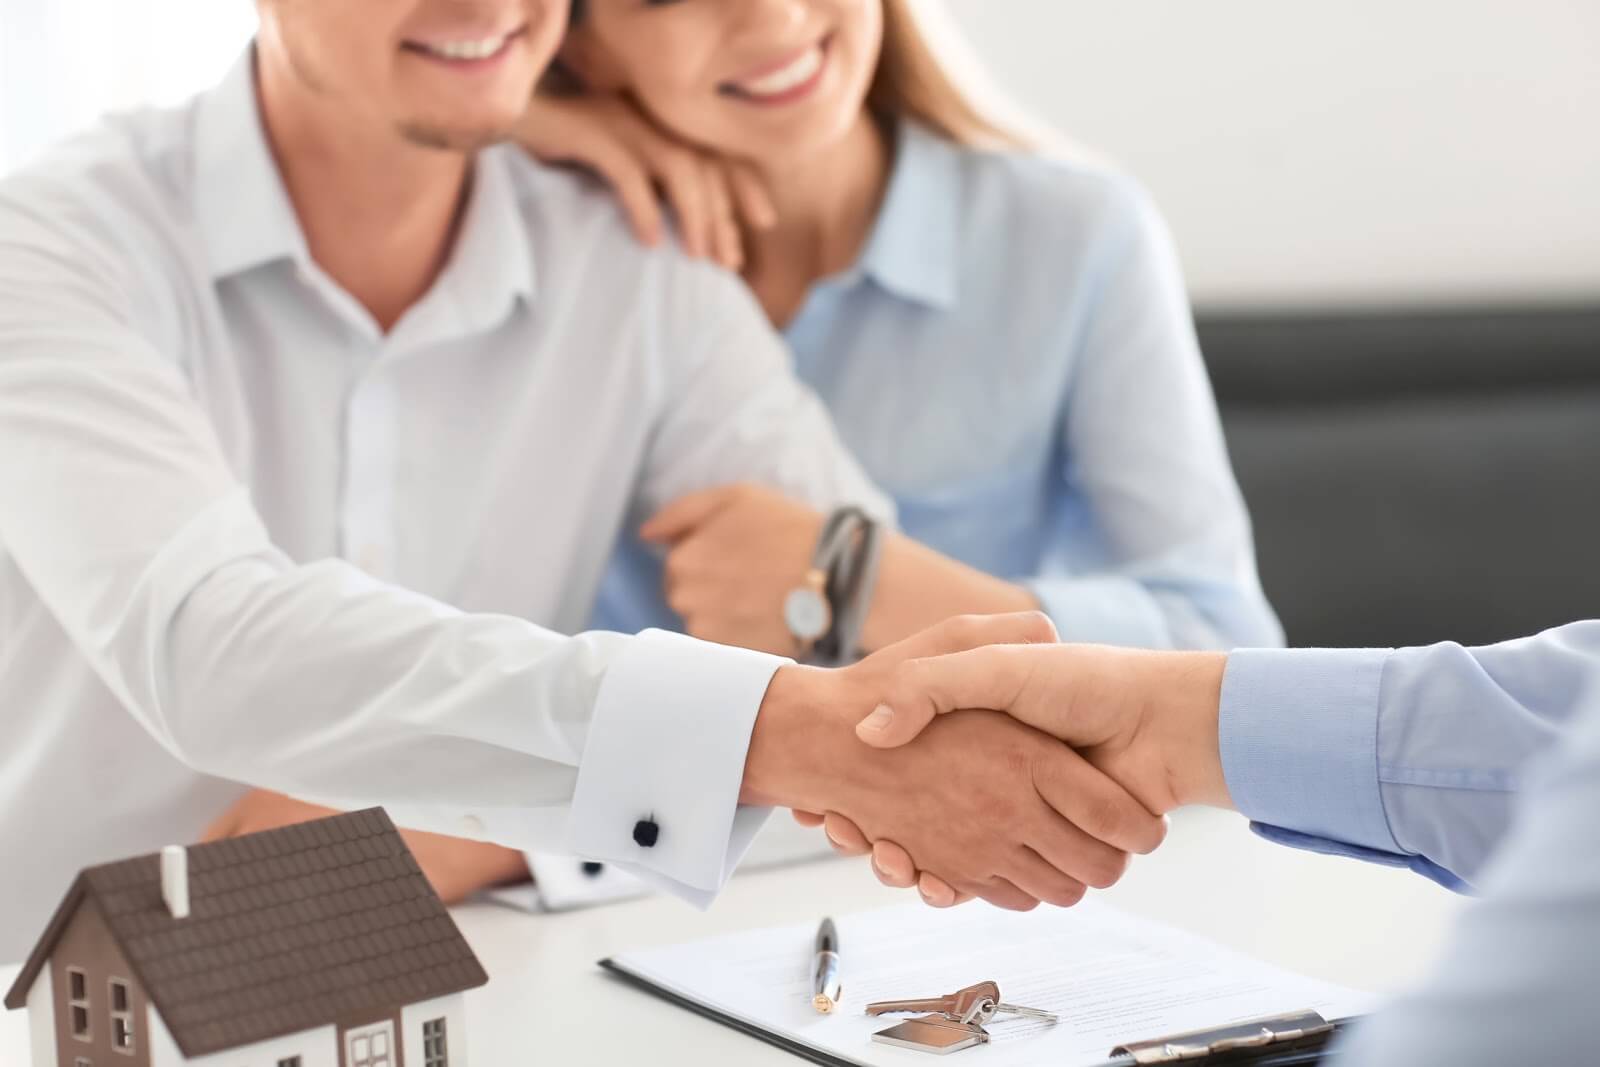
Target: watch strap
(834,550)
(855,601)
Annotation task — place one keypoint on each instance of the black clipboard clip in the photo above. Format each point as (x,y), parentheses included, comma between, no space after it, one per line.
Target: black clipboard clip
(1254,1035)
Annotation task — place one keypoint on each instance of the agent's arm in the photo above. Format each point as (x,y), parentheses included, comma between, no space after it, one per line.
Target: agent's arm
(1411,757)
(1516,982)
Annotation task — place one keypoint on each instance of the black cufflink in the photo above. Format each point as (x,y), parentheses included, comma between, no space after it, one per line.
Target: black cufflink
(645,833)
(592,869)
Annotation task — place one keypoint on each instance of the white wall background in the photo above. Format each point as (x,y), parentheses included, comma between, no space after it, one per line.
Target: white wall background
(1357,152)
(1305,152)
(64,62)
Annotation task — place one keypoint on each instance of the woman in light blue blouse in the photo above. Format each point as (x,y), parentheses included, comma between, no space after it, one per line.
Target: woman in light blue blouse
(1003,339)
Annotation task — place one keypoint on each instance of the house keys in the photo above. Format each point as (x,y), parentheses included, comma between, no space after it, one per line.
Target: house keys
(955,1021)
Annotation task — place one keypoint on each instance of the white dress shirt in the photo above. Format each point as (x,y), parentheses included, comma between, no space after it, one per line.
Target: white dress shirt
(246,535)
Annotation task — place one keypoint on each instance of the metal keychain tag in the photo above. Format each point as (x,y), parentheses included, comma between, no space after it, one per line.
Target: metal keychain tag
(938,1035)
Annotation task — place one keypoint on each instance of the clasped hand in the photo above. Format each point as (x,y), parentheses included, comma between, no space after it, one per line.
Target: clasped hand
(987,805)
(1146,720)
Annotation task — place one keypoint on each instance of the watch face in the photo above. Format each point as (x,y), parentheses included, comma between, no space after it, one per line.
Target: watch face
(807,614)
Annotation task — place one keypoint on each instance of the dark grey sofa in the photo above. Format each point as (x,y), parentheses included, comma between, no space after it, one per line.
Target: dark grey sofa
(1417,477)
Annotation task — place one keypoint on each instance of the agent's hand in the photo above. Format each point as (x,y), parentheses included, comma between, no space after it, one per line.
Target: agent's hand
(992,807)
(1146,719)
(606,134)
(734,554)
(456,868)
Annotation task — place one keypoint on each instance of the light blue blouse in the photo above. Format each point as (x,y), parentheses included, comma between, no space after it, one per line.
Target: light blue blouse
(1014,360)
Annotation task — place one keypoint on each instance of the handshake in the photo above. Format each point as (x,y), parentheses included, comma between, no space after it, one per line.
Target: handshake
(982,759)
(976,759)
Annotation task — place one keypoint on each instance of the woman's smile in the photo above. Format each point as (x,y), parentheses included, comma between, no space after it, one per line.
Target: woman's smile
(790,79)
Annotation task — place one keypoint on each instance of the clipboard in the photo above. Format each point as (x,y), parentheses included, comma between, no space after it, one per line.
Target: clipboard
(1270,1041)
(1296,1040)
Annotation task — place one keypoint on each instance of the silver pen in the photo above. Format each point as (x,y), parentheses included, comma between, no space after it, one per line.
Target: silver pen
(825,986)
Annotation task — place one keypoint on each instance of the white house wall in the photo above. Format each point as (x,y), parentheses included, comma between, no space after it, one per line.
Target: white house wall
(453,1010)
(42,1020)
(316,1048)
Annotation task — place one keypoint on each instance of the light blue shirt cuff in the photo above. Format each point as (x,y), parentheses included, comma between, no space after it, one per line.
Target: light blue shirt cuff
(1322,846)
(1299,738)
(1103,610)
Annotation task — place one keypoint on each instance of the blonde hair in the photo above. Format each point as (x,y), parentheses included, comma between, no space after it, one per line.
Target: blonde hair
(913,83)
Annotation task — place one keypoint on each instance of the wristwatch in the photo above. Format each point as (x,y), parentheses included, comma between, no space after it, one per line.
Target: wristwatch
(808,608)
(827,612)
(807,612)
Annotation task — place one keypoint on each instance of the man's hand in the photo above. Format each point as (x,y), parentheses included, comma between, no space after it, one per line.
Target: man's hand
(734,554)
(456,868)
(1146,719)
(994,808)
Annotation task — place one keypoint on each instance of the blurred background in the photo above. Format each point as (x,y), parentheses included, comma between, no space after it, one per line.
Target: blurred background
(1389,215)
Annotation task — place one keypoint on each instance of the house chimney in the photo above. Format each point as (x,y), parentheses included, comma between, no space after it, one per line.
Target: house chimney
(175,880)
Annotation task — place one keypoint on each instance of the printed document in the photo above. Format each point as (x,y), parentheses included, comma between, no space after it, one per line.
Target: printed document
(1110,977)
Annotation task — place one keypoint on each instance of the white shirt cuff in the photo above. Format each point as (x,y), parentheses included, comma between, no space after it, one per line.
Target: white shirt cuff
(667,747)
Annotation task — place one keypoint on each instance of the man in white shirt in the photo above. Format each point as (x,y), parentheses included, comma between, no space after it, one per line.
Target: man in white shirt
(308,401)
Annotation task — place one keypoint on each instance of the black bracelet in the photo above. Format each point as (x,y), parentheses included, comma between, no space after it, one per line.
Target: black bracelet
(851,582)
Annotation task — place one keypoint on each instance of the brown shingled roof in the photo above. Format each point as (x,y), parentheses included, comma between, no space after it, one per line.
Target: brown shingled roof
(288,929)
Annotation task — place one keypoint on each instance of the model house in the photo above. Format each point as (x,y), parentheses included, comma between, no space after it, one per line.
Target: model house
(318,945)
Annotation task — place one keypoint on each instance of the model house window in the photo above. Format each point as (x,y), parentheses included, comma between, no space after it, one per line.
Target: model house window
(371,1047)
(433,1050)
(121,1017)
(82,1061)
(292,1061)
(78,1002)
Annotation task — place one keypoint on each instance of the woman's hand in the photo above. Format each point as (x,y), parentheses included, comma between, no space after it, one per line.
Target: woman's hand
(734,554)
(605,133)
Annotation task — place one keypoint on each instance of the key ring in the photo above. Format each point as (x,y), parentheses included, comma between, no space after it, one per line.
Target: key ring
(1026,1013)
(985,1010)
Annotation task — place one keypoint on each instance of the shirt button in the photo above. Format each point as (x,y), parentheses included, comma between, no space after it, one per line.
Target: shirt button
(471,826)
(646,833)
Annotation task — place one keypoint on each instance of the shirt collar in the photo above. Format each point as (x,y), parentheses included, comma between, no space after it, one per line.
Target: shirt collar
(246,219)
(914,250)
(241,208)
(492,262)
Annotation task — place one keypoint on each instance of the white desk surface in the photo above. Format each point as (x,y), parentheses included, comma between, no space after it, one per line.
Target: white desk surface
(1368,927)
